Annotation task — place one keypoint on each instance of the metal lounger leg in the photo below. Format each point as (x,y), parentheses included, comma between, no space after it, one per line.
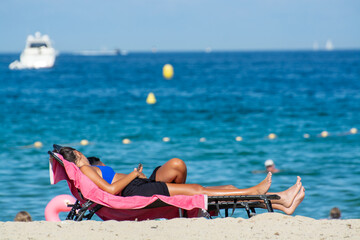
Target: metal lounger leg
(218,208)
(268,205)
(83,210)
(72,212)
(183,213)
(234,207)
(253,212)
(180,213)
(246,205)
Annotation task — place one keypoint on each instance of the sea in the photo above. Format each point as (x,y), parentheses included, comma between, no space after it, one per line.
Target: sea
(216,113)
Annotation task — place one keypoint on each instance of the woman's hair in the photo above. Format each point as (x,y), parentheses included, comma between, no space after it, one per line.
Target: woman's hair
(68,154)
(93,160)
(23,216)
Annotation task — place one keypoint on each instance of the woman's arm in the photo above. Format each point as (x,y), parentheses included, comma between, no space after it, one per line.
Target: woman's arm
(114,188)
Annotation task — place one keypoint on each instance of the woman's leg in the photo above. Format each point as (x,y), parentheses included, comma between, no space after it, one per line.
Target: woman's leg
(287,197)
(194,189)
(173,171)
(222,187)
(290,210)
(289,201)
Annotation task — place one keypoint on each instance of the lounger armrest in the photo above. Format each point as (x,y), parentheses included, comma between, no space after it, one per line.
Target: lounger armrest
(243,198)
(56,158)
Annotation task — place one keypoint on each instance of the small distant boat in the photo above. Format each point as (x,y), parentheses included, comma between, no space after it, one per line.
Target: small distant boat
(329,45)
(315,46)
(38,53)
(208,50)
(103,52)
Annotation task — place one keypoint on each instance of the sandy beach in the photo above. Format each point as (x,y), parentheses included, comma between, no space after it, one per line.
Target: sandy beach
(262,226)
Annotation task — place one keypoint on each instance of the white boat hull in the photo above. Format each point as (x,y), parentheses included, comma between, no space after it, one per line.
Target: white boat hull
(38,58)
(38,53)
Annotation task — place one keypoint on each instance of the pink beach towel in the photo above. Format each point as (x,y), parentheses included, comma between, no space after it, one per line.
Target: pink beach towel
(123,208)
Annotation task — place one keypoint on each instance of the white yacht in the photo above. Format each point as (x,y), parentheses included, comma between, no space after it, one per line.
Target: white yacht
(38,53)
(329,45)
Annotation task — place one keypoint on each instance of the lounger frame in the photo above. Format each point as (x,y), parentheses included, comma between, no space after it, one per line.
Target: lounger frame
(215,203)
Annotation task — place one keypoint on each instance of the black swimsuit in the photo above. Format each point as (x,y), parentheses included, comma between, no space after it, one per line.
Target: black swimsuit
(146,187)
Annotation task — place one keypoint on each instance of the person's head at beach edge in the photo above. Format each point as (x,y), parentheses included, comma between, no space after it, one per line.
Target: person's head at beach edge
(23,216)
(270,166)
(335,213)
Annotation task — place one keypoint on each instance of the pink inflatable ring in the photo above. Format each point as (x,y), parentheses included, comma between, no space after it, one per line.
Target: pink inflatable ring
(56,205)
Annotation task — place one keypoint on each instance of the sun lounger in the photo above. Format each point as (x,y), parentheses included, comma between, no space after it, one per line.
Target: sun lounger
(92,200)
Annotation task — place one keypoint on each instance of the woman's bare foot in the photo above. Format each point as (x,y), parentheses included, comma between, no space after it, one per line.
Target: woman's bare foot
(298,199)
(287,197)
(264,185)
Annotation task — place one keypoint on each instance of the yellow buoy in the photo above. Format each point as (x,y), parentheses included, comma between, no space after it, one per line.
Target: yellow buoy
(166,139)
(238,139)
(306,135)
(84,142)
(353,131)
(272,136)
(168,71)
(151,98)
(324,134)
(38,144)
(126,141)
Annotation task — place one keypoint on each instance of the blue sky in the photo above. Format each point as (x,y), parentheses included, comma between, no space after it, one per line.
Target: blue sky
(140,25)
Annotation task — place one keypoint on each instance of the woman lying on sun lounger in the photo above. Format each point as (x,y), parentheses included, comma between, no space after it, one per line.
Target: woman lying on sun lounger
(173,171)
(167,180)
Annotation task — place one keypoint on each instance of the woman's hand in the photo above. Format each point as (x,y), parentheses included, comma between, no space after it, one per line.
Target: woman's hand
(141,175)
(139,171)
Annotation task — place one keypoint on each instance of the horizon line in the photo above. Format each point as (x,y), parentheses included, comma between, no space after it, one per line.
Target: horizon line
(79,52)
